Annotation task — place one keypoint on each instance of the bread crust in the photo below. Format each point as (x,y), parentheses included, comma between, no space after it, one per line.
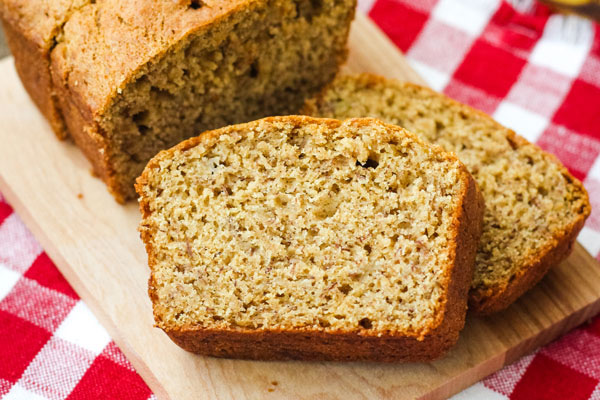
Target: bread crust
(494,299)
(32,62)
(327,344)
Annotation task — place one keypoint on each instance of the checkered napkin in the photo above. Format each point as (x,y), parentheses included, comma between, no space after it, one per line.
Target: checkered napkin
(51,345)
(534,71)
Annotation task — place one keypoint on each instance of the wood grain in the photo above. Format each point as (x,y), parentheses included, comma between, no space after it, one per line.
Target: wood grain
(94,242)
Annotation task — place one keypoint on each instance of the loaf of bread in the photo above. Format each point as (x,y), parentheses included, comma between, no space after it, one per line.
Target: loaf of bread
(302,238)
(126,79)
(534,207)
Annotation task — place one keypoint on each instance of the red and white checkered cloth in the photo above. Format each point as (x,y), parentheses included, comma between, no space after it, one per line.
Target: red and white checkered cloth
(51,346)
(534,71)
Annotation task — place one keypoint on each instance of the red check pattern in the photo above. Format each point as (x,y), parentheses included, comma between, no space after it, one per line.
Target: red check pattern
(51,346)
(534,71)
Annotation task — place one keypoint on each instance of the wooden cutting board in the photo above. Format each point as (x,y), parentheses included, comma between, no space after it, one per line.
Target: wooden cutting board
(94,242)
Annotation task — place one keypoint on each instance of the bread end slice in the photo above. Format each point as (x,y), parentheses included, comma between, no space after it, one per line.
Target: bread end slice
(534,207)
(485,301)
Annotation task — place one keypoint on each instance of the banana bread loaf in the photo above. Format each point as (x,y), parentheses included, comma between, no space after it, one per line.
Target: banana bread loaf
(302,238)
(126,79)
(534,207)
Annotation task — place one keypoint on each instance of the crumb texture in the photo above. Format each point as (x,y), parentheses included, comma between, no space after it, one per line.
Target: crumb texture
(288,223)
(530,198)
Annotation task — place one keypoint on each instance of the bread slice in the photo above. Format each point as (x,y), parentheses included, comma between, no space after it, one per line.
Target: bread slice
(534,207)
(302,238)
(126,79)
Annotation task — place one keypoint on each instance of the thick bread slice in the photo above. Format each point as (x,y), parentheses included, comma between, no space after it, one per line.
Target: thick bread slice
(534,207)
(302,238)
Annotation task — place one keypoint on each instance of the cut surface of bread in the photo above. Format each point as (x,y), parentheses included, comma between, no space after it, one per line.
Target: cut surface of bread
(302,238)
(534,207)
(131,78)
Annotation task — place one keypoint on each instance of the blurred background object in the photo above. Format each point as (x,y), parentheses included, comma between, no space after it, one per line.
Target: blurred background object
(588,8)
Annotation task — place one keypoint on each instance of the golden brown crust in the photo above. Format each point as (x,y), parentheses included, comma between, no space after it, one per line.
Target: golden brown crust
(310,345)
(467,242)
(490,300)
(313,344)
(32,62)
(93,89)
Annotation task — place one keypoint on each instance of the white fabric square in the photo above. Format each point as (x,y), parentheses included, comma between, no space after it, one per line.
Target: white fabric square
(590,71)
(467,15)
(19,393)
(440,45)
(540,90)
(523,6)
(596,393)
(526,123)
(478,391)
(365,6)
(18,247)
(594,171)
(82,328)
(590,239)
(504,381)
(8,279)
(56,369)
(564,45)
(437,80)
